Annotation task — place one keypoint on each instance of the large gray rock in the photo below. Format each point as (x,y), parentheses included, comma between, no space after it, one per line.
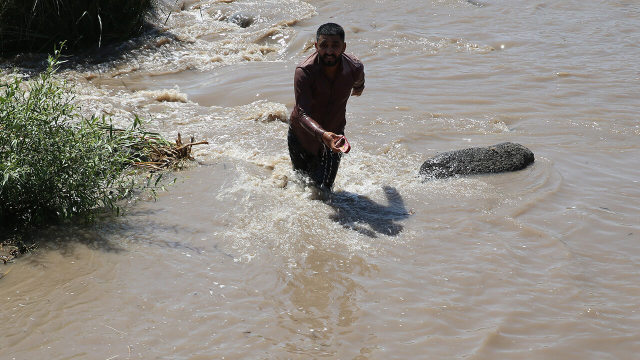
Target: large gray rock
(503,157)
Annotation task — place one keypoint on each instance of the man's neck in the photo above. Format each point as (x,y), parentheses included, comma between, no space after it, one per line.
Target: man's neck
(332,71)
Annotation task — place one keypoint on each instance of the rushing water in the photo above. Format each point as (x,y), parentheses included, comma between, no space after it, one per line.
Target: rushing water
(239,261)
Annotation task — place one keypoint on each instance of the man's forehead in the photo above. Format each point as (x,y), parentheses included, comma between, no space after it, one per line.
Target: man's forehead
(329,39)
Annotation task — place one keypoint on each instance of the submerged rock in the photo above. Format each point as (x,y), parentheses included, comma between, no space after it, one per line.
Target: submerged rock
(241,19)
(503,157)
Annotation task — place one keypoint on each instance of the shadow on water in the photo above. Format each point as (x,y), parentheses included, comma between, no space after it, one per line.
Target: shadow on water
(109,233)
(64,236)
(355,211)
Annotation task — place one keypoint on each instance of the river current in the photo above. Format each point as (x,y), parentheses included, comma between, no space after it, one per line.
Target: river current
(239,260)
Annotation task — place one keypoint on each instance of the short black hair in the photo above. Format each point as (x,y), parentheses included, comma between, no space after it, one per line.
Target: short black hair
(330,29)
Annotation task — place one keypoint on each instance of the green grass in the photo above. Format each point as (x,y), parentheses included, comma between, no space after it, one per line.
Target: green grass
(37,25)
(56,165)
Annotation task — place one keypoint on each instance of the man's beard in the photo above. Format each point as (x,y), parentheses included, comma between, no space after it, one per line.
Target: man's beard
(330,63)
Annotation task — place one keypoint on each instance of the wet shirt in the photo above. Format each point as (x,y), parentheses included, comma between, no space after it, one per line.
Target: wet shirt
(322,99)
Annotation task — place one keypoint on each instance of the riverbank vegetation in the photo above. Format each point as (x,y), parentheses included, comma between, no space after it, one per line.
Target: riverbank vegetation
(38,25)
(57,165)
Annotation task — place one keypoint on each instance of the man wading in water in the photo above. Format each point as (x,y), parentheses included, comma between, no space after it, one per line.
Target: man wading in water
(323,83)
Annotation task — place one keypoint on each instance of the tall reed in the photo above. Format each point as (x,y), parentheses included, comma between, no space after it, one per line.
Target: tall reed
(38,25)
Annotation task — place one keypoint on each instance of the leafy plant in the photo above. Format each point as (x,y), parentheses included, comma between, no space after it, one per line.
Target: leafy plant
(55,164)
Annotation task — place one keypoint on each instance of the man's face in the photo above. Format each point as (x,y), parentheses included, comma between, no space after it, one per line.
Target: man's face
(330,49)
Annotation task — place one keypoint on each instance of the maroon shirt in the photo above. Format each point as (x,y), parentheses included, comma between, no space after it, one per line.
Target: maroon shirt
(323,100)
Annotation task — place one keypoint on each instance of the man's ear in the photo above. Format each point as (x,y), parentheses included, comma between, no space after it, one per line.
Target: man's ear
(344,47)
(315,44)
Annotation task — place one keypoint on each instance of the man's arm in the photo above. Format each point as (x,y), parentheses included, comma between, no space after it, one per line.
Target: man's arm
(358,87)
(327,137)
(304,101)
(311,126)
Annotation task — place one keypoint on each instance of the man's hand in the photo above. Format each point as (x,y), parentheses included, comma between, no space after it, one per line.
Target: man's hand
(330,139)
(354,93)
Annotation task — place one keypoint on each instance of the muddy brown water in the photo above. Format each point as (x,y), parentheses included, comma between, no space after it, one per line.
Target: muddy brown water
(239,261)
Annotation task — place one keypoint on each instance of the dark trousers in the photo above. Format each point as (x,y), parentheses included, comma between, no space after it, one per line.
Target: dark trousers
(321,168)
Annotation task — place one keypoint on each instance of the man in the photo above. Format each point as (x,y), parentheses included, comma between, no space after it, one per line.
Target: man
(323,83)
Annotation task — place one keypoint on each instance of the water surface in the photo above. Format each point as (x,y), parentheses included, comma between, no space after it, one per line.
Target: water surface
(239,261)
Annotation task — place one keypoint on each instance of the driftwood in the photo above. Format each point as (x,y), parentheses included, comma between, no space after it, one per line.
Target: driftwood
(11,249)
(164,157)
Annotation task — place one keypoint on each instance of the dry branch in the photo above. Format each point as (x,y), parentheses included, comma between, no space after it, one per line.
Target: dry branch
(167,156)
